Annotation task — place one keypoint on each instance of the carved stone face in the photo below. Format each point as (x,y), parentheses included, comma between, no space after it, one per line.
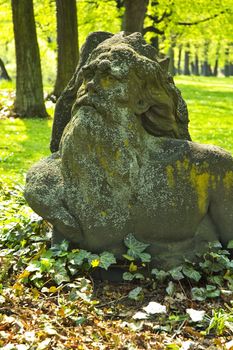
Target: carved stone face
(104,87)
(113,82)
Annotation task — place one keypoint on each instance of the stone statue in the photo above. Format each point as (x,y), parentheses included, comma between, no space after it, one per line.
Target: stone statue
(126,164)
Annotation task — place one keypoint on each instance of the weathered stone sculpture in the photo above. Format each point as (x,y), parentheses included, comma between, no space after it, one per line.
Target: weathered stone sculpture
(125,163)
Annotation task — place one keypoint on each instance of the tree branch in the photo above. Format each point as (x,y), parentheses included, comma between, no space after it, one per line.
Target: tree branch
(202,20)
(153,30)
(119,3)
(157,20)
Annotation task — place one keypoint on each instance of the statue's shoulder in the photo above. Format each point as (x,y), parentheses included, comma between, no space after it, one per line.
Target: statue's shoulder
(197,152)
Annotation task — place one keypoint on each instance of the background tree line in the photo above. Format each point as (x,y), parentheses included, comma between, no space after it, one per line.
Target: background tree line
(197,36)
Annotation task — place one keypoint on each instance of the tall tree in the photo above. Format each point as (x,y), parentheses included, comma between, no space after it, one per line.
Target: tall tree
(3,72)
(67,42)
(135,11)
(186,60)
(29,100)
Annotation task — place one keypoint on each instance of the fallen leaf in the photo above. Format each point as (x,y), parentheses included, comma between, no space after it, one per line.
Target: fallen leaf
(229,345)
(196,315)
(155,308)
(140,315)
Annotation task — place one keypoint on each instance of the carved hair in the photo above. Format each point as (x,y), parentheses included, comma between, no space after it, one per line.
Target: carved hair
(150,74)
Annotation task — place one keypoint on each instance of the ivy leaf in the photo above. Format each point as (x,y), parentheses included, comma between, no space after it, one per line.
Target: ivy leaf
(191,273)
(212,291)
(218,280)
(135,294)
(214,294)
(170,289)
(107,259)
(127,276)
(60,249)
(77,258)
(230,244)
(159,274)
(60,273)
(61,277)
(214,244)
(135,247)
(128,257)
(198,293)
(139,276)
(176,273)
(145,257)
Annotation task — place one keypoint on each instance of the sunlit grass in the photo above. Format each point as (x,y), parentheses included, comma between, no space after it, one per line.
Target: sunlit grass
(22,143)
(210,104)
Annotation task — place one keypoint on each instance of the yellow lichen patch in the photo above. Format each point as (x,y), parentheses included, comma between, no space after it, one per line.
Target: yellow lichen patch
(213,182)
(178,166)
(98,149)
(104,163)
(182,165)
(185,163)
(170,176)
(228,180)
(103,214)
(117,154)
(106,82)
(200,183)
(126,142)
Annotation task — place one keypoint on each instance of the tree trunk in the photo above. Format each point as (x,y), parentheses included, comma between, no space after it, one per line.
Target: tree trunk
(171,67)
(67,42)
(135,11)
(196,65)
(231,69)
(192,65)
(186,62)
(3,71)
(215,73)
(206,69)
(154,41)
(29,100)
(227,63)
(179,71)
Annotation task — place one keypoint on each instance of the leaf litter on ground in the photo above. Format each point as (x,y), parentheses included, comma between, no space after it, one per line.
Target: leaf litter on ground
(84,314)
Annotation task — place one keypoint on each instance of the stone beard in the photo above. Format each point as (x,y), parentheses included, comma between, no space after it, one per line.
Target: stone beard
(125,163)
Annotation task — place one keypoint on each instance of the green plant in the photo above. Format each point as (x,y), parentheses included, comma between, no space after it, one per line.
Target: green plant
(58,265)
(211,273)
(220,322)
(137,257)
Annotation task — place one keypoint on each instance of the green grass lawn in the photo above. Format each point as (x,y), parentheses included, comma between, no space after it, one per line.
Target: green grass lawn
(210,104)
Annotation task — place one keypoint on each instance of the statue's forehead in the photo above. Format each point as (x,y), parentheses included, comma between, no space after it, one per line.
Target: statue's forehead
(113,61)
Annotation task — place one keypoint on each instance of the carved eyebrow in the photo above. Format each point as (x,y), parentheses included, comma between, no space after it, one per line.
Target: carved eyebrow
(104,65)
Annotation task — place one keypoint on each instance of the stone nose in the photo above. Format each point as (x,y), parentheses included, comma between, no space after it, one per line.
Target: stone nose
(91,86)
